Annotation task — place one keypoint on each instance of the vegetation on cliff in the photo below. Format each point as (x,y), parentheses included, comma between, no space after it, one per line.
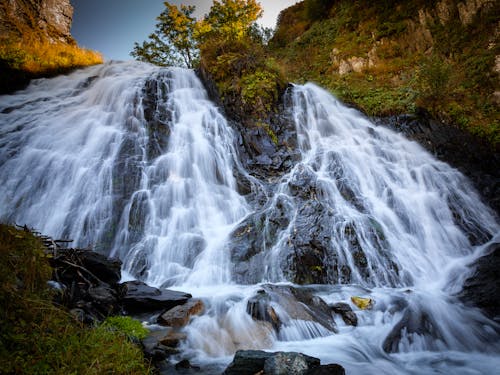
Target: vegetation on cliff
(393,56)
(35,41)
(38,337)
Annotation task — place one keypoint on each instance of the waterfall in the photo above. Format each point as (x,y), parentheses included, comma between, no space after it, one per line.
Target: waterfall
(128,158)
(136,162)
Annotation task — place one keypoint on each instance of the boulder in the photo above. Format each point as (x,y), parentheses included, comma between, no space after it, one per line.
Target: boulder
(140,297)
(289,364)
(345,311)
(179,316)
(250,362)
(106,269)
(172,339)
(278,304)
(247,362)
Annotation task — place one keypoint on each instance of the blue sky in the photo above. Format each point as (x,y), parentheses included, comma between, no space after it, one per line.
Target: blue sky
(112,26)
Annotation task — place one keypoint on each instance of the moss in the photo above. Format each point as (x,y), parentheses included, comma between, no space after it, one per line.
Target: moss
(126,326)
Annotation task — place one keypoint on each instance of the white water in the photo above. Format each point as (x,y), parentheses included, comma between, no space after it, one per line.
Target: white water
(79,160)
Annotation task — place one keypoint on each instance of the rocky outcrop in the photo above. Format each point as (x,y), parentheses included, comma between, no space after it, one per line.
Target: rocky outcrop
(44,19)
(267,150)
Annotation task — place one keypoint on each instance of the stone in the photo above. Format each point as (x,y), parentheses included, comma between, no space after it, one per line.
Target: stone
(179,316)
(294,303)
(106,269)
(289,364)
(345,311)
(140,297)
(173,339)
(251,362)
(331,369)
(104,299)
(247,362)
(186,365)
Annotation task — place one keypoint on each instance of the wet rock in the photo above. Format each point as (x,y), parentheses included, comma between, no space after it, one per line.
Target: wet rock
(331,369)
(414,323)
(289,364)
(278,304)
(482,288)
(173,339)
(186,365)
(345,311)
(139,297)
(179,316)
(247,362)
(257,232)
(251,362)
(259,307)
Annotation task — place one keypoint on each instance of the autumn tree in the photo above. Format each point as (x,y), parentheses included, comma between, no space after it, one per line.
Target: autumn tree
(230,19)
(173,42)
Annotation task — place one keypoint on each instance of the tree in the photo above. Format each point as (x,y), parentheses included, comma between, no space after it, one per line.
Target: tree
(173,41)
(229,19)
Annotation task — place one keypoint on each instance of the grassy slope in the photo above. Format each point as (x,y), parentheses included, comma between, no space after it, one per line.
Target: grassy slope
(453,78)
(38,337)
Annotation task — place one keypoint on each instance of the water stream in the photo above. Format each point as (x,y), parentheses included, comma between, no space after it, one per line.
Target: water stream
(135,161)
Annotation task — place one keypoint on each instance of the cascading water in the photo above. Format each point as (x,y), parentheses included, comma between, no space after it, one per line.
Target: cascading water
(137,162)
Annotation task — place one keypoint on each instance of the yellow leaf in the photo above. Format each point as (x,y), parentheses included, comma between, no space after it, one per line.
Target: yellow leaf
(362,303)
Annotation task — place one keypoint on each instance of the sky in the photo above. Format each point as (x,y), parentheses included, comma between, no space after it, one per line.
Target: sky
(112,26)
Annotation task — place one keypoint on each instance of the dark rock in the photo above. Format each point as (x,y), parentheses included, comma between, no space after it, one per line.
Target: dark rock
(289,363)
(139,297)
(251,362)
(186,365)
(179,316)
(106,269)
(345,311)
(331,369)
(247,362)
(104,299)
(482,288)
(296,303)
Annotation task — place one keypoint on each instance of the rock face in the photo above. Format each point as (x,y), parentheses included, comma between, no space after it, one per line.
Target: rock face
(46,19)
(481,287)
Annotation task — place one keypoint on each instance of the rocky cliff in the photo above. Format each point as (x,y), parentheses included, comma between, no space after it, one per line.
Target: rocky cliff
(44,19)
(35,41)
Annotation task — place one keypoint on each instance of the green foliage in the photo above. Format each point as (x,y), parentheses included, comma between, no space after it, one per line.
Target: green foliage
(433,79)
(127,326)
(173,42)
(40,338)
